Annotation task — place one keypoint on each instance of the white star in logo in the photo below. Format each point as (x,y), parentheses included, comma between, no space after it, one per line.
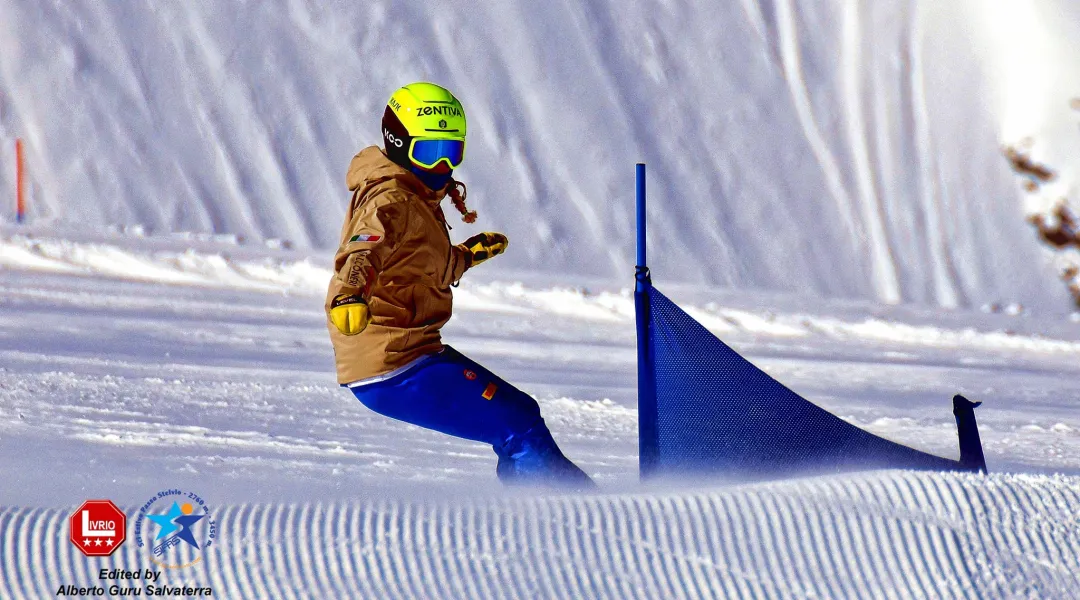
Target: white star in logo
(86,542)
(97,542)
(108,542)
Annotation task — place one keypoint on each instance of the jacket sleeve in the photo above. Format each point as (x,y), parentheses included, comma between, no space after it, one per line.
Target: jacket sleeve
(373,232)
(460,261)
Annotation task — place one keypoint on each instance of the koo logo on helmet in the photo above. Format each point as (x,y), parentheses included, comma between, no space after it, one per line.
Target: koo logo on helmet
(391,138)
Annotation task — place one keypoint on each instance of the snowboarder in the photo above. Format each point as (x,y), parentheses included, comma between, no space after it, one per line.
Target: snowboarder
(390,294)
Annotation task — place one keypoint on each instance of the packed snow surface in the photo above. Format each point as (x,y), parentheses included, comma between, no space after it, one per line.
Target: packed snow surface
(205,366)
(882,535)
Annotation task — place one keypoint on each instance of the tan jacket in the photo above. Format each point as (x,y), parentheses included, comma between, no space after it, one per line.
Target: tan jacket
(396,252)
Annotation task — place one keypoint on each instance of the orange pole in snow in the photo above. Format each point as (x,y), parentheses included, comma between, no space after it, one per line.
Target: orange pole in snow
(20,196)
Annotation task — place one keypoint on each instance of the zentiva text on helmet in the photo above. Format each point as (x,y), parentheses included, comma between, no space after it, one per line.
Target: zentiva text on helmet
(450,111)
(391,138)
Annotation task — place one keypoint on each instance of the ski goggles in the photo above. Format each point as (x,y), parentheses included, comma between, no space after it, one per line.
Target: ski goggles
(427,152)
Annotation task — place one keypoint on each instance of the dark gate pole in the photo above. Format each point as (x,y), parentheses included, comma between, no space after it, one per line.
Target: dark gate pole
(648,436)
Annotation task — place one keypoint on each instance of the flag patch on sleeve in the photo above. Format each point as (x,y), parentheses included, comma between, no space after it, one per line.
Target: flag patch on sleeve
(365,238)
(489,391)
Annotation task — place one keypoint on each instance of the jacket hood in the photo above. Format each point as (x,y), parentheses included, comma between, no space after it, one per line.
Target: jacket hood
(371,166)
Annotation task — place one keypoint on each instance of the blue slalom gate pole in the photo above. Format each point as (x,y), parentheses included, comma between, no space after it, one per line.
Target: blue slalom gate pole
(648,438)
(641,261)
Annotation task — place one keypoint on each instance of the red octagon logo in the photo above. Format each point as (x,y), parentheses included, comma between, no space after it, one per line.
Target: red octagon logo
(97,528)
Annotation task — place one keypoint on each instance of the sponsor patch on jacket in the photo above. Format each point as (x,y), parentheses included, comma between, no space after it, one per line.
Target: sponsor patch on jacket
(363,237)
(489,391)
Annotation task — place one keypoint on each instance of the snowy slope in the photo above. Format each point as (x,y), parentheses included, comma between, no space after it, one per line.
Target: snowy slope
(218,369)
(128,367)
(887,535)
(845,148)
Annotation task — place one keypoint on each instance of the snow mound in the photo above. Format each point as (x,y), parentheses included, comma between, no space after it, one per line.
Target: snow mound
(881,535)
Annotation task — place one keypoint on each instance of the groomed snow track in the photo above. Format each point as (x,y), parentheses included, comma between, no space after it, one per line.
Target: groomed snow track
(881,535)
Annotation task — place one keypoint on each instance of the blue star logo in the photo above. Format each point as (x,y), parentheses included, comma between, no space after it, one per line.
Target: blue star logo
(165,521)
(176,521)
(185,534)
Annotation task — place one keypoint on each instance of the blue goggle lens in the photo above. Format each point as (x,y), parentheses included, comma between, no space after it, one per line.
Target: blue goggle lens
(428,153)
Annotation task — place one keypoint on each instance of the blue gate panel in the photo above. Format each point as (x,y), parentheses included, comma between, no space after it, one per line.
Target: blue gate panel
(714,411)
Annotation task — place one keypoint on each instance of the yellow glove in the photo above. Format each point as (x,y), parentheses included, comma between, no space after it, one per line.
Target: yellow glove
(349,314)
(483,246)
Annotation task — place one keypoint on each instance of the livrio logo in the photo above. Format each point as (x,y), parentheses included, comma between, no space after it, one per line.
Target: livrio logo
(97,528)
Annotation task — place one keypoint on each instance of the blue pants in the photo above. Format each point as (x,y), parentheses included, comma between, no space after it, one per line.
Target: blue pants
(449,392)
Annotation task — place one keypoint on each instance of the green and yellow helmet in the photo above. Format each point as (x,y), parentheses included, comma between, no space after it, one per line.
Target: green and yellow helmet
(424,127)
